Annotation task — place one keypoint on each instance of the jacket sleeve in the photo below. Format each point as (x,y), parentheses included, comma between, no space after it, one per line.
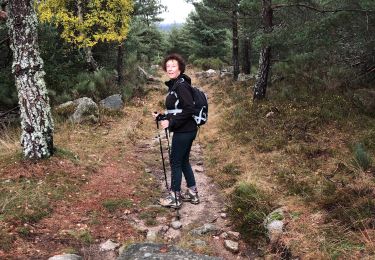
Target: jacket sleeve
(186,103)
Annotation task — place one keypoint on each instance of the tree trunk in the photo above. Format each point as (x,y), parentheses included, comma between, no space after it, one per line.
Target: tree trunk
(246,60)
(265,54)
(36,119)
(90,61)
(236,63)
(120,64)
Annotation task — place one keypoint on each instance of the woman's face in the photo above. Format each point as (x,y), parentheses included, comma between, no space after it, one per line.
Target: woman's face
(172,69)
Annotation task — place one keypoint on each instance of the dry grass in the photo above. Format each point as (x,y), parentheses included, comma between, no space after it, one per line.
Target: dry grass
(303,154)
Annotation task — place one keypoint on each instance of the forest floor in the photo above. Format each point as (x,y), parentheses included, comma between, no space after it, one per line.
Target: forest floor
(103,184)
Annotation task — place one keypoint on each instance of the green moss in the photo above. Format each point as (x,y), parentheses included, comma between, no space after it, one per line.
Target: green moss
(114,204)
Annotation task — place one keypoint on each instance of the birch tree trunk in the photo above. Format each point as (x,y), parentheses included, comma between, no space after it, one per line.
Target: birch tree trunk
(236,63)
(36,119)
(260,87)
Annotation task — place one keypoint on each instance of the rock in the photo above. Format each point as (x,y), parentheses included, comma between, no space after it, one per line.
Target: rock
(65,257)
(274,224)
(198,168)
(270,114)
(234,235)
(206,228)
(210,73)
(161,251)
(113,102)
(224,235)
(223,215)
(147,255)
(172,234)
(231,246)
(245,77)
(108,245)
(365,99)
(224,75)
(147,170)
(81,110)
(151,235)
(176,224)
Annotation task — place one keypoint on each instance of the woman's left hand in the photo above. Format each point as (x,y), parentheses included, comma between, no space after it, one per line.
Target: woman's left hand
(164,124)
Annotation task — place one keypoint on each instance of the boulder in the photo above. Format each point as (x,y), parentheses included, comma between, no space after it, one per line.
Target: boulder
(86,111)
(113,102)
(81,110)
(365,99)
(226,75)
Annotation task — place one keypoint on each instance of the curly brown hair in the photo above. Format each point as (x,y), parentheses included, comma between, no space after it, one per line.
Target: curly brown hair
(178,58)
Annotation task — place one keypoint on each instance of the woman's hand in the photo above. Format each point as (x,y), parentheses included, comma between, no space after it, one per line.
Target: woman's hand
(164,124)
(155,115)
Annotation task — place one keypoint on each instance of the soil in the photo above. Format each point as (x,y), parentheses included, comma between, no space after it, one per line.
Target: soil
(127,161)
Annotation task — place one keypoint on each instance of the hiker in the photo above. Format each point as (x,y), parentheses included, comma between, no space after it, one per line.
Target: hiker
(179,120)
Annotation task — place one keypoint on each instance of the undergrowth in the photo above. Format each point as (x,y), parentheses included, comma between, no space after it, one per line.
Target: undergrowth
(316,147)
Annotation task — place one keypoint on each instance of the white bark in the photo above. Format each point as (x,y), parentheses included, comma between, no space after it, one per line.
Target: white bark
(36,119)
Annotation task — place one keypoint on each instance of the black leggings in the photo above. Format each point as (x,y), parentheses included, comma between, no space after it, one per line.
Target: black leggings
(180,152)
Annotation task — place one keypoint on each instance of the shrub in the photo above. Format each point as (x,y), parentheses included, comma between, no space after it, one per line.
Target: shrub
(97,85)
(361,157)
(249,207)
(209,63)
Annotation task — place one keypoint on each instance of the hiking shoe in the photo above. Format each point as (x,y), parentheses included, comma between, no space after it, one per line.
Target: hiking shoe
(170,201)
(190,196)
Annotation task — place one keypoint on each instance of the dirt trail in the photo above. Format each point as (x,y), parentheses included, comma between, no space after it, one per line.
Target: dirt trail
(127,163)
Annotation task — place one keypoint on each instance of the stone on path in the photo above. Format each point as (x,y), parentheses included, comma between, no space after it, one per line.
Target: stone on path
(151,235)
(176,224)
(232,246)
(161,251)
(108,245)
(65,257)
(113,102)
(206,228)
(234,235)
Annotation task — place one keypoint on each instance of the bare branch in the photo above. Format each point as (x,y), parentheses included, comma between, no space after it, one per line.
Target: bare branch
(276,6)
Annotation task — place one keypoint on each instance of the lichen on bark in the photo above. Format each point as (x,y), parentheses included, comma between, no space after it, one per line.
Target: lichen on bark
(36,119)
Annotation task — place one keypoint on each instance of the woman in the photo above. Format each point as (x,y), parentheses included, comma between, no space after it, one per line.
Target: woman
(179,120)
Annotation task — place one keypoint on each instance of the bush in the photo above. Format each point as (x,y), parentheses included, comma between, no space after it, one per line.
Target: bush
(96,85)
(249,208)
(209,63)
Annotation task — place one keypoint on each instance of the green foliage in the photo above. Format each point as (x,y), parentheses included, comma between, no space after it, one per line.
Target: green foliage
(361,157)
(97,85)
(209,63)
(249,207)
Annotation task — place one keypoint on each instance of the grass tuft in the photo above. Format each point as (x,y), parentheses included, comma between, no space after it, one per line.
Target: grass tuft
(114,204)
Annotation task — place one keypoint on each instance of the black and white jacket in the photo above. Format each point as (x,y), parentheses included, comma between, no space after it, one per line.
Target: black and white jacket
(180,105)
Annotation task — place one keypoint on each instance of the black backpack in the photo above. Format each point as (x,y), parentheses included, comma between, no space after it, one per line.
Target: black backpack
(200,106)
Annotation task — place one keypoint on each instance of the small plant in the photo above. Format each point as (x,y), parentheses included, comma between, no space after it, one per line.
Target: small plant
(84,236)
(114,204)
(249,208)
(361,157)
(6,240)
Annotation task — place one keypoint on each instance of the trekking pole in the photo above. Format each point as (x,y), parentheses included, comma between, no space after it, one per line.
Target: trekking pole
(169,157)
(162,156)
